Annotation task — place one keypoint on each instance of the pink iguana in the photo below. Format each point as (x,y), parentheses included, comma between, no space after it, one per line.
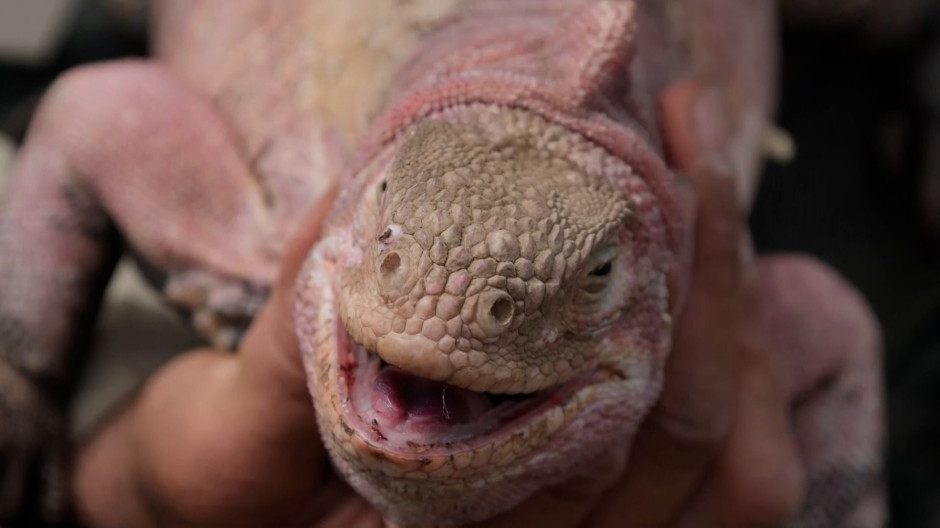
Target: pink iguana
(490,307)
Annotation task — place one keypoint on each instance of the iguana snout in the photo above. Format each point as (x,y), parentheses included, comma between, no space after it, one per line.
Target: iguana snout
(491,263)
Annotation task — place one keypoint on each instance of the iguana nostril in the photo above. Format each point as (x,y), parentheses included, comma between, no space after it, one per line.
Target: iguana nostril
(495,311)
(502,311)
(391,263)
(393,272)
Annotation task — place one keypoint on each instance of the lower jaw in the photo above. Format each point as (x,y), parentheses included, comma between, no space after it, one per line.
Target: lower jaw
(439,483)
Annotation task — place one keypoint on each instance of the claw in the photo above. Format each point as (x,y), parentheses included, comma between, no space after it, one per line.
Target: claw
(778,145)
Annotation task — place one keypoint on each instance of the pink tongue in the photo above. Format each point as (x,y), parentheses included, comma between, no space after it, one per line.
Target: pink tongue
(401,397)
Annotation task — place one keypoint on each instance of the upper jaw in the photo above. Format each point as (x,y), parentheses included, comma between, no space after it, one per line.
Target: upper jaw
(398,408)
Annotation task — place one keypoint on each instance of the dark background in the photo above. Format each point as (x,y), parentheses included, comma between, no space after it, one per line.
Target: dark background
(862,117)
(862,111)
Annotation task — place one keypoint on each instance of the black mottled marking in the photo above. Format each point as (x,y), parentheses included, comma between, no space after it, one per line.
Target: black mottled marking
(378,434)
(346,429)
(43,503)
(834,493)
(34,456)
(84,216)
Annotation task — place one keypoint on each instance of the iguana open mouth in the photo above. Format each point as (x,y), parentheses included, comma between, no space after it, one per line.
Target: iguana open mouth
(401,411)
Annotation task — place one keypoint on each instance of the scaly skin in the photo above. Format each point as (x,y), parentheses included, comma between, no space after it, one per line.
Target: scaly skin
(508,225)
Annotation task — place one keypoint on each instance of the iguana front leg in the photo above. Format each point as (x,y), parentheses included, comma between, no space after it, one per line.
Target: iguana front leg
(119,148)
(828,348)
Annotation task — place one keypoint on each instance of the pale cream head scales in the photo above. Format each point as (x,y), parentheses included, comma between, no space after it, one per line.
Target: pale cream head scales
(490,264)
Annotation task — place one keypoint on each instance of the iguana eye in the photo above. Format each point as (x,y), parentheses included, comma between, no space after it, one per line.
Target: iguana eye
(590,308)
(603,270)
(598,278)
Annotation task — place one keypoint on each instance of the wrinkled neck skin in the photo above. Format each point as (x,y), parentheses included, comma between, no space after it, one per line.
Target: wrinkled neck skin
(488,312)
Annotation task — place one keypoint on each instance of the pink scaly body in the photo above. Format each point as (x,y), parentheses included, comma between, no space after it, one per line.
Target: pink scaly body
(505,190)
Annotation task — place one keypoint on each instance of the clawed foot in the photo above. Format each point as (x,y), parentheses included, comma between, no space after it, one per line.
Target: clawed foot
(221,308)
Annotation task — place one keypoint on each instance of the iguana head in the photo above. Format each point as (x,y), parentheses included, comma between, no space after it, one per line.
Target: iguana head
(487,314)
(488,265)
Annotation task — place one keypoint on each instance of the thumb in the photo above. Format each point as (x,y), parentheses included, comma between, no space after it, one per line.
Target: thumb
(270,348)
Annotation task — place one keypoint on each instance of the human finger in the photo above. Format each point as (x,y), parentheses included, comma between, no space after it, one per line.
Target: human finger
(757,479)
(694,416)
(273,329)
(270,346)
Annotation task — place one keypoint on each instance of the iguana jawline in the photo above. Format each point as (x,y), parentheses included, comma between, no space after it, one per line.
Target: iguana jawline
(398,410)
